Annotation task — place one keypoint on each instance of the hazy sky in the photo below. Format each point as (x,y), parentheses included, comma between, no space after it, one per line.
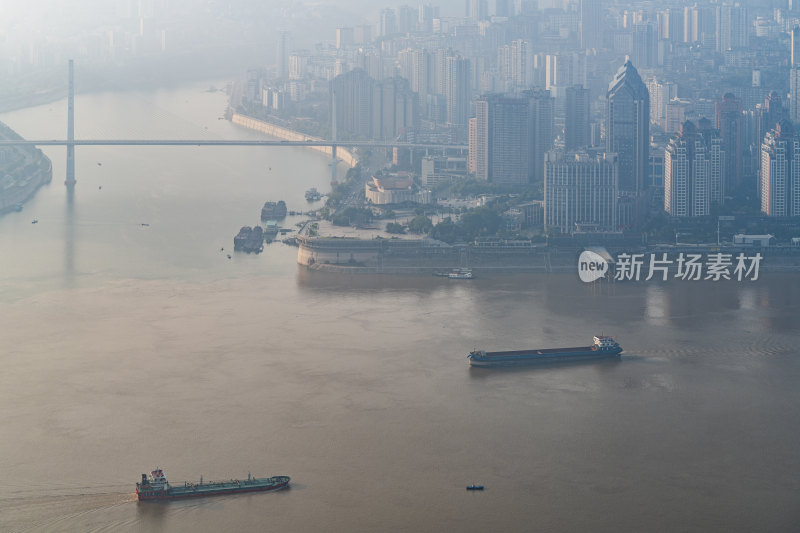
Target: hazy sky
(64,16)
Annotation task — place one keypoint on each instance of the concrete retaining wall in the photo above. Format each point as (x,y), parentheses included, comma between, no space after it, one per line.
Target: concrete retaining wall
(290,135)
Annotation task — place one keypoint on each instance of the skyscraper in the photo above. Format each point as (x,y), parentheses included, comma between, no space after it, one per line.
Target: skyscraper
(590,23)
(645,41)
(457,89)
(406,19)
(344,37)
(562,70)
(694,164)
(794,93)
(576,126)
(501,139)
(580,190)
(780,172)
(423,73)
(387,23)
(362,34)
(351,102)
(731,27)
(282,56)
(521,63)
(628,127)
(697,21)
(425,16)
(728,120)
(394,108)
(769,114)
(472,154)
(670,24)
(661,92)
(794,76)
(541,108)
(503,8)
(477,10)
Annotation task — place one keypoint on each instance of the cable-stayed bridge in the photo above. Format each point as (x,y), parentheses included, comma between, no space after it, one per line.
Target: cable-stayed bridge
(223,142)
(70,142)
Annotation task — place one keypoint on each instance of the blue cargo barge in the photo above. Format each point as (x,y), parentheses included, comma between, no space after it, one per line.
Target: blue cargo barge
(603,347)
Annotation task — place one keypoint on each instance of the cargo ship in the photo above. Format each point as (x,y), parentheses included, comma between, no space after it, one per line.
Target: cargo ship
(603,347)
(250,240)
(156,487)
(273,210)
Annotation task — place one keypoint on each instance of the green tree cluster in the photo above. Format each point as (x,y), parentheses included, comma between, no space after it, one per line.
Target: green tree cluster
(481,222)
(420,224)
(395,228)
(352,216)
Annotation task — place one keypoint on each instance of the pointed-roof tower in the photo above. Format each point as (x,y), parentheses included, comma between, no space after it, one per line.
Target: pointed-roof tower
(628,127)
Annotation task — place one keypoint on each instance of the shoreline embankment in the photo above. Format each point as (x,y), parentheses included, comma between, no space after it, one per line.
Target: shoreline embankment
(427,256)
(279,132)
(24,171)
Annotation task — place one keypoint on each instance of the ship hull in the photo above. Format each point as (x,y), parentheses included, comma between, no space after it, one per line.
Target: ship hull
(552,356)
(214,489)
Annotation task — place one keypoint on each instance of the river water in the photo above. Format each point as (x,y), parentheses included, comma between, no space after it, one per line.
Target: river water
(127,346)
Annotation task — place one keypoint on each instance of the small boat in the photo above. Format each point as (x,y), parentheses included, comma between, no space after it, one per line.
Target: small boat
(474,487)
(460,273)
(35,221)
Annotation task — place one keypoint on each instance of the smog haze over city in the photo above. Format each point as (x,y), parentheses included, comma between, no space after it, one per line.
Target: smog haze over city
(481,265)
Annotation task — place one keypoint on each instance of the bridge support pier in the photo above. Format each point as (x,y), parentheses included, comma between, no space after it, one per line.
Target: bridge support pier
(334,165)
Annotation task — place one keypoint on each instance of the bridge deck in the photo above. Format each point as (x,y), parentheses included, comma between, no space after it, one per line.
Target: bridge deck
(221,142)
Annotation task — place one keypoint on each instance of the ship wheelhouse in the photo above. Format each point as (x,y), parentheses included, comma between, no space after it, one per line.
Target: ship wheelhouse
(604,343)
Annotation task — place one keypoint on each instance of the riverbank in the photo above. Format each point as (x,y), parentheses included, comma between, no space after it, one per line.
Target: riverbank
(428,256)
(346,156)
(23,170)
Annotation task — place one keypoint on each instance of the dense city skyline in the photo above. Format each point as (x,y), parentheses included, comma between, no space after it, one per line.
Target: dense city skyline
(613,78)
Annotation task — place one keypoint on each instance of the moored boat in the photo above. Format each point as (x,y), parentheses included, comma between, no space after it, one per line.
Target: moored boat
(156,487)
(250,240)
(460,273)
(271,229)
(273,210)
(602,347)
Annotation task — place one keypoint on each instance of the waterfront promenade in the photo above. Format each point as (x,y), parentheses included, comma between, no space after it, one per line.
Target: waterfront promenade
(346,156)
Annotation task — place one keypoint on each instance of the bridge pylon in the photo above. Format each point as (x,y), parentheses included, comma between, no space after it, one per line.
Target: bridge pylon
(70,181)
